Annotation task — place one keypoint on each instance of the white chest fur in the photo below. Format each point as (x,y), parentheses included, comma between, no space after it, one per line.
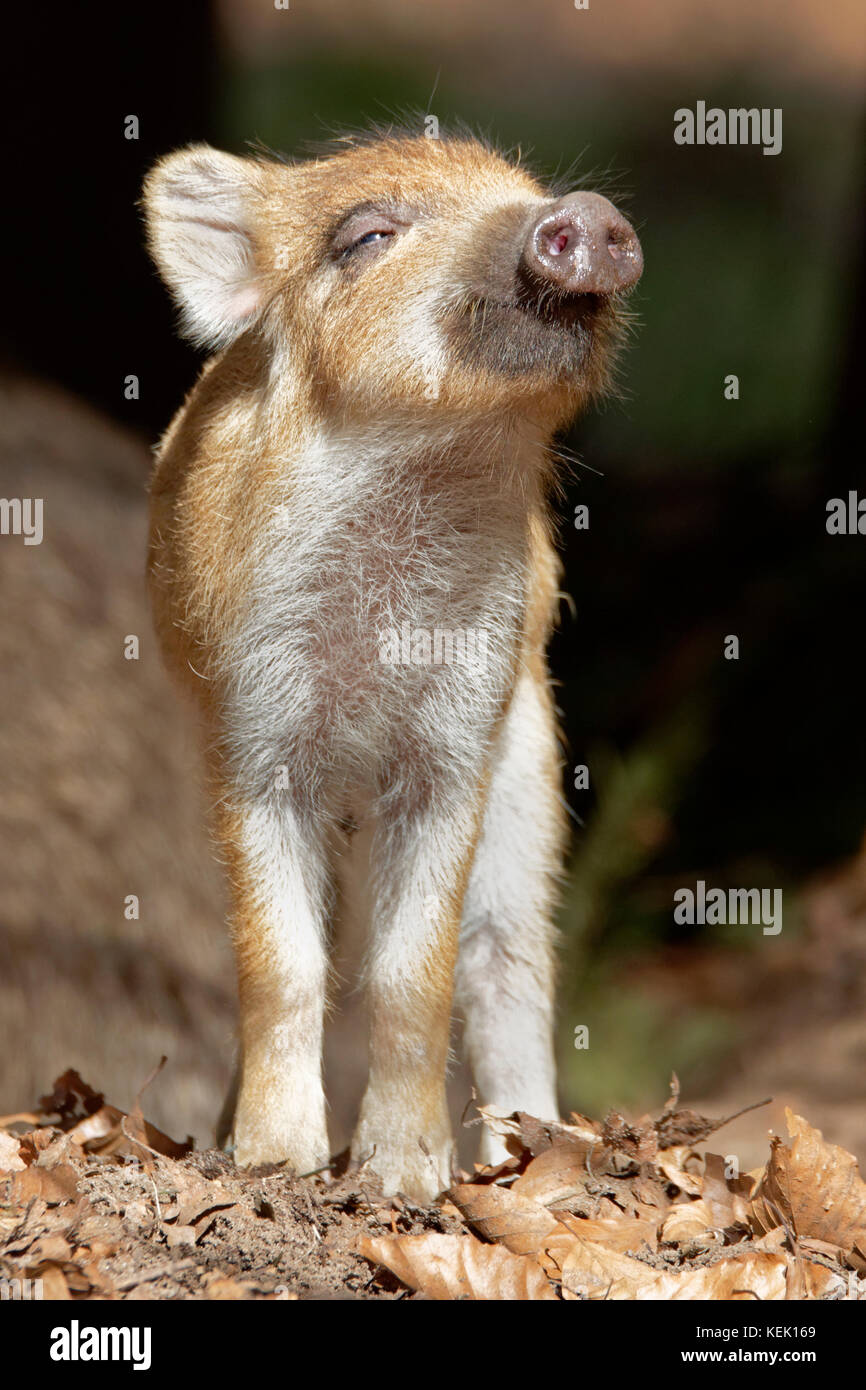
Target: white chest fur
(382,613)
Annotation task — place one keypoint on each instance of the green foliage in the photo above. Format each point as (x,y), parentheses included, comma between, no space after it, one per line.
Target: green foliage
(635,1043)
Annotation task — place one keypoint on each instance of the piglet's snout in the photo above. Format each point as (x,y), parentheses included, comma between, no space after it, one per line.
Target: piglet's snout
(582,245)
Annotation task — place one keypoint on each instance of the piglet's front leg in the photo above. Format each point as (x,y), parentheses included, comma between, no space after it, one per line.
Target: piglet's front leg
(420,867)
(278,878)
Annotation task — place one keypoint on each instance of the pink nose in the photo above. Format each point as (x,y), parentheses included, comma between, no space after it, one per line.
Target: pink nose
(583,245)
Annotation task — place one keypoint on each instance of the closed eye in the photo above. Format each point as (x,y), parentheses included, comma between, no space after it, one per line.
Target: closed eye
(366,231)
(368,239)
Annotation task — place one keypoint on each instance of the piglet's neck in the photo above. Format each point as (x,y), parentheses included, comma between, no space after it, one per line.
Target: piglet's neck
(501,450)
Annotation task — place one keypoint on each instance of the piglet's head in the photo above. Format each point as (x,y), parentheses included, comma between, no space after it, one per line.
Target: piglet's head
(395,274)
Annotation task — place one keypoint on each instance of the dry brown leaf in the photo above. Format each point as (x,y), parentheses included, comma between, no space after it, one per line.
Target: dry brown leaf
(592,1270)
(814,1187)
(70,1098)
(771,1240)
(807,1279)
(452,1267)
(523,1133)
(91,1271)
(225,1289)
(52,1150)
(527,1137)
(526,1228)
(52,1185)
(639,1142)
(10,1157)
(560,1173)
(145,1136)
(105,1129)
(644,1139)
(21,1117)
(672,1163)
(675,1127)
(690,1221)
(205,1204)
(622,1232)
(727,1198)
(582,1130)
(53,1248)
(54,1283)
(178,1236)
(97,1231)
(819,1279)
(650,1191)
(80,1285)
(112,1131)
(500,1214)
(685,1127)
(764,1215)
(37,1142)
(757,1274)
(817,1247)
(92,1129)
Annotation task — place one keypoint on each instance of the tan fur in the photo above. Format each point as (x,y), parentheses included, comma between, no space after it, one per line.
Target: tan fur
(352,460)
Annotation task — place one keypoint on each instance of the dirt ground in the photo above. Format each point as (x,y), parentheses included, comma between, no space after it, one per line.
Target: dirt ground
(98,1204)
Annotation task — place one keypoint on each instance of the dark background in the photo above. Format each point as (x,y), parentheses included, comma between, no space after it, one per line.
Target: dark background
(707,516)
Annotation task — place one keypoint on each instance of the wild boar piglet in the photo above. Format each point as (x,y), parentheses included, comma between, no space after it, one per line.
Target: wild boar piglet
(352,572)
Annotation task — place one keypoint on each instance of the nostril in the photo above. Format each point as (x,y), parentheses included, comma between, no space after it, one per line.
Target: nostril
(556,239)
(557,243)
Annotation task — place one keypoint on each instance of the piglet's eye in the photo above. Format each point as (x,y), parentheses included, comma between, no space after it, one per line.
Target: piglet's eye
(368,239)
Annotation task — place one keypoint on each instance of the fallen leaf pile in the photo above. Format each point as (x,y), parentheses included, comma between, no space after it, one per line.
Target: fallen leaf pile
(95,1203)
(612,1210)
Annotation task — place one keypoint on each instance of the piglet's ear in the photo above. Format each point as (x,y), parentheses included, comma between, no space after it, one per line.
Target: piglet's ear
(200,209)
